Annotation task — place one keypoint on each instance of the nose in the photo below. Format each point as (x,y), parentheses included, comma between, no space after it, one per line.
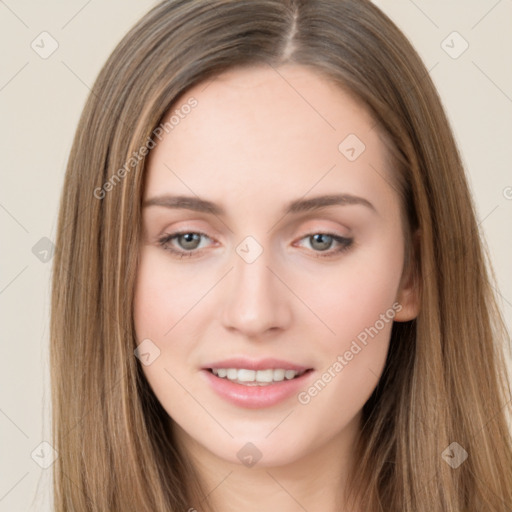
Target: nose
(256,302)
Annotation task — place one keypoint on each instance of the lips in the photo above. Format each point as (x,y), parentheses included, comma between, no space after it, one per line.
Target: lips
(252,364)
(252,395)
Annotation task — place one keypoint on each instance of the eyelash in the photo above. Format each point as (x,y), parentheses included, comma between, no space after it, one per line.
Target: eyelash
(344,244)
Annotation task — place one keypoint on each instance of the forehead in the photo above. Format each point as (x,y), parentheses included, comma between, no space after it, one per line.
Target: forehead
(268,130)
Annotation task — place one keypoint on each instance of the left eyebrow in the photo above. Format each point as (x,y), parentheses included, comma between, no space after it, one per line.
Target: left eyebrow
(315,203)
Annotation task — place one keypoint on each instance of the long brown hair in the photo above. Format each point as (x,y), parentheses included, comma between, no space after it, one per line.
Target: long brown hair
(444,379)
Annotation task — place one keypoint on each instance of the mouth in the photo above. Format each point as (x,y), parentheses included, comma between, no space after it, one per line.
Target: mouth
(265,377)
(256,384)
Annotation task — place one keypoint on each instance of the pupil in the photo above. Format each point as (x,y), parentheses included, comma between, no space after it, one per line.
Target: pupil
(321,241)
(189,240)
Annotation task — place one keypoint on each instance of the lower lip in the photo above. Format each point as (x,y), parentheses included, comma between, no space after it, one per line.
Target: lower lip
(255,397)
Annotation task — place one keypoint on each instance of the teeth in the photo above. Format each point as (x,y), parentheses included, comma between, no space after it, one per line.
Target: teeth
(246,375)
(279,375)
(289,374)
(255,377)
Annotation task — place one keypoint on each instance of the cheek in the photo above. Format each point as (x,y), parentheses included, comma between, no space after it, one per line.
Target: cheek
(357,303)
(360,309)
(353,355)
(157,309)
(164,295)
(168,306)
(353,296)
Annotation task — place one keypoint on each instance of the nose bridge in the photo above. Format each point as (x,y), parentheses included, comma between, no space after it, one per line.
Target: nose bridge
(255,302)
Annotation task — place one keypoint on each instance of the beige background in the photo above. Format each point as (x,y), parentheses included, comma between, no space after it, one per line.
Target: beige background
(41,100)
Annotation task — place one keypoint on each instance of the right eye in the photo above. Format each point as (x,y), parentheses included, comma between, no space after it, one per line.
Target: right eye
(185,243)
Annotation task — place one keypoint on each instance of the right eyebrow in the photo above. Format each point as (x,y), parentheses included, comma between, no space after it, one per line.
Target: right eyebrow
(185,202)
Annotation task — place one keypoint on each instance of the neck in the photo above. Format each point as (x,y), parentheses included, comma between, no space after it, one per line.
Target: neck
(314,481)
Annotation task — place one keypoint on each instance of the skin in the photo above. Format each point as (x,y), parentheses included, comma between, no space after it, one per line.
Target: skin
(257,140)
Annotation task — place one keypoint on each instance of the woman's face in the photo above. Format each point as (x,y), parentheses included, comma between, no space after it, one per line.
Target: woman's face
(272,246)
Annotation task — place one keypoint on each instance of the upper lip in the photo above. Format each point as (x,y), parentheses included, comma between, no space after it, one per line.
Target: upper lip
(255,364)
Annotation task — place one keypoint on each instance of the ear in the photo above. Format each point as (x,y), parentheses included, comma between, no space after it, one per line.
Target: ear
(408,295)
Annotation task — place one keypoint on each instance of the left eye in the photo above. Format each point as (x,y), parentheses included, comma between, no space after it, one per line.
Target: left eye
(322,242)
